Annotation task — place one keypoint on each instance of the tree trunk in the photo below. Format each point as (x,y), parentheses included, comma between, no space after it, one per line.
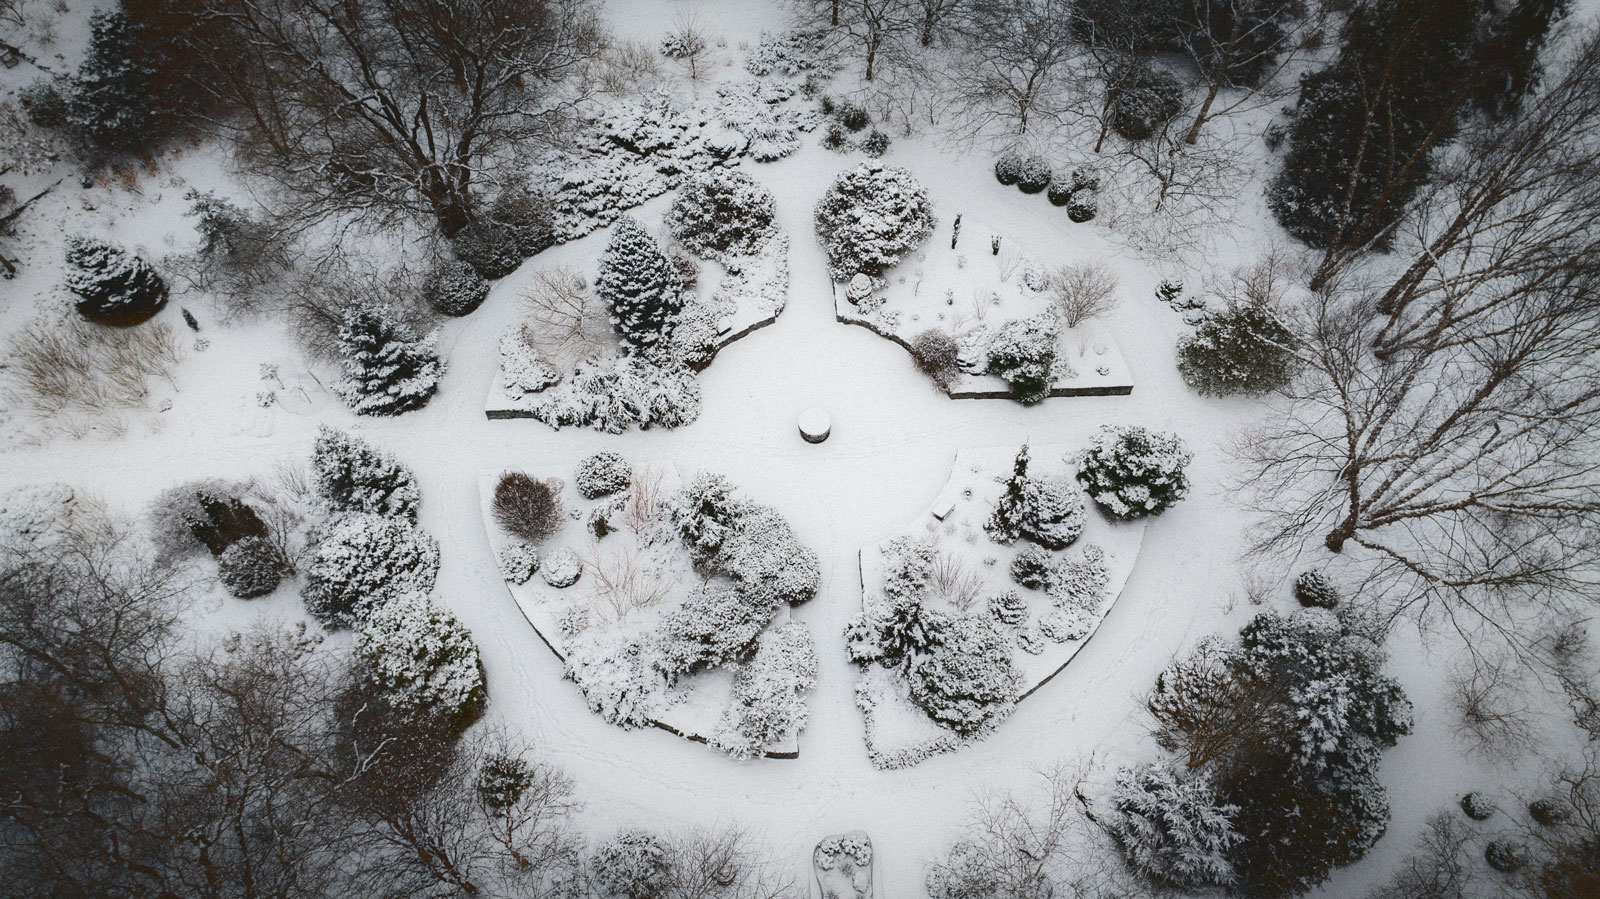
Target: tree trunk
(1204,113)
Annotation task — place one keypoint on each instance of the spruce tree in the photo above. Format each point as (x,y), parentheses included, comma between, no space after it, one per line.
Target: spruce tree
(109,106)
(1005,525)
(1364,127)
(1506,59)
(387,369)
(114,287)
(641,286)
(351,475)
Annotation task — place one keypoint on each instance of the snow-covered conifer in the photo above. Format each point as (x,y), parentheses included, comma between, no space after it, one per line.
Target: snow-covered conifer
(1172,829)
(603,474)
(350,475)
(1132,472)
(362,560)
(721,213)
(114,286)
(250,567)
(640,285)
(870,218)
(422,660)
(635,864)
(968,681)
(768,701)
(387,369)
(1023,352)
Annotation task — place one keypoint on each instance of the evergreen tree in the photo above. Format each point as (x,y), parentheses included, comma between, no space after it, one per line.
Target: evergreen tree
(114,286)
(107,105)
(641,286)
(1242,349)
(1172,829)
(387,370)
(351,475)
(1360,141)
(1506,59)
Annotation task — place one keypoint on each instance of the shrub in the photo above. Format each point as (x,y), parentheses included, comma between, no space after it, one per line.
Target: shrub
(494,250)
(1142,100)
(114,287)
(853,117)
(350,475)
(875,144)
(201,513)
(1548,812)
(1009,608)
(1477,806)
(767,704)
(603,474)
(561,569)
(1173,830)
(1132,472)
(455,288)
(713,626)
(938,355)
(108,106)
(364,560)
(1083,207)
(526,214)
(748,542)
(518,561)
(422,660)
(1312,588)
(1048,511)
(636,864)
(525,507)
(1023,352)
(721,213)
(1082,291)
(640,286)
(623,393)
(250,567)
(1505,855)
(1034,175)
(1242,349)
(1008,169)
(870,218)
(1060,191)
(387,369)
(967,682)
(835,138)
(1033,567)
(1085,179)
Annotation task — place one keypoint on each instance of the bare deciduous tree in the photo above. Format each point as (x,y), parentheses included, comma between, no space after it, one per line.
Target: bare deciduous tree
(1081,291)
(1016,66)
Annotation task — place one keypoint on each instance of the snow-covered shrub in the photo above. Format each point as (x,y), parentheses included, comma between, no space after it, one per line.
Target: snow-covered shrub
(518,561)
(875,144)
(870,218)
(790,53)
(561,569)
(1081,583)
(748,542)
(201,513)
(640,285)
(363,560)
(109,106)
(1132,472)
(897,633)
(1060,190)
(1023,352)
(114,286)
(618,681)
(1009,608)
(835,138)
(1064,624)
(527,507)
(421,659)
(1505,855)
(721,213)
(455,288)
(1008,168)
(968,681)
(1034,567)
(713,626)
(1083,207)
(350,475)
(1142,99)
(1477,806)
(1048,511)
(684,44)
(1244,349)
(1085,178)
(250,567)
(768,702)
(1034,175)
(1172,829)
(526,214)
(627,392)
(492,249)
(907,565)
(852,116)
(1548,811)
(1312,588)
(387,369)
(603,474)
(635,864)
(938,356)
(521,370)
(705,513)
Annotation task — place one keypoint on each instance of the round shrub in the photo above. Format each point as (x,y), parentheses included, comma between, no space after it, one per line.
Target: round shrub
(526,213)
(1061,191)
(1144,99)
(1034,568)
(456,288)
(364,560)
(1242,349)
(114,286)
(875,144)
(968,681)
(561,569)
(1477,806)
(422,660)
(938,355)
(250,567)
(835,138)
(518,561)
(1034,175)
(1548,812)
(1312,588)
(526,507)
(1505,855)
(636,864)
(603,474)
(492,248)
(721,212)
(1133,472)
(1082,207)
(1023,352)
(1008,168)
(870,218)
(854,117)
(1009,608)
(201,513)
(1085,178)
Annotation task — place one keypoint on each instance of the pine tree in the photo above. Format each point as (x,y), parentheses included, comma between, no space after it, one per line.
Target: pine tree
(1173,830)
(114,287)
(109,106)
(387,370)
(1506,58)
(641,286)
(1005,525)
(351,475)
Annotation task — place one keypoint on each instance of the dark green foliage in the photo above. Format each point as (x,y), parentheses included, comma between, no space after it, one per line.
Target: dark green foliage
(640,285)
(853,117)
(1083,207)
(1506,57)
(114,286)
(1477,806)
(875,144)
(495,250)
(526,215)
(1132,472)
(870,218)
(834,137)
(1141,99)
(1034,176)
(713,626)
(350,475)
(1060,191)
(1023,352)
(387,369)
(203,513)
(967,681)
(1505,855)
(1034,568)
(1008,168)
(720,213)
(1548,812)
(250,567)
(455,288)
(1242,349)
(636,864)
(1313,589)
(1358,145)
(603,474)
(107,107)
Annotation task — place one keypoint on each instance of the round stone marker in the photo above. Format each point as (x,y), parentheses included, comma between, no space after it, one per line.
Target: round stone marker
(815,425)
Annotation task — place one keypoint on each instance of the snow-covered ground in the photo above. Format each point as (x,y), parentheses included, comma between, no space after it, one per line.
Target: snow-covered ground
(895,438)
